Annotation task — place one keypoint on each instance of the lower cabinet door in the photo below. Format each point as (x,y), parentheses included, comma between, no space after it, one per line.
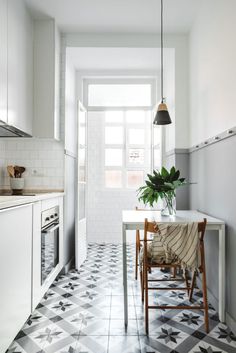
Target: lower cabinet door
(15,271)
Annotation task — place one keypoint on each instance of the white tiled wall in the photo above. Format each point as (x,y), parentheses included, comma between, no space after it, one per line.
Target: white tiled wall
(43,160)
(104,212)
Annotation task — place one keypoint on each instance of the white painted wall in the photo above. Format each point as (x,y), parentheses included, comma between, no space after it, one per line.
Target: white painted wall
(70,106)
(178,133)
(213,70)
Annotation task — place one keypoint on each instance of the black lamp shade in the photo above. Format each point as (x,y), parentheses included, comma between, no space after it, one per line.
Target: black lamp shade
(162,116)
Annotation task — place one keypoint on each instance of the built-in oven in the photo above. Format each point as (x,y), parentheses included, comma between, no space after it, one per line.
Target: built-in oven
(50,228)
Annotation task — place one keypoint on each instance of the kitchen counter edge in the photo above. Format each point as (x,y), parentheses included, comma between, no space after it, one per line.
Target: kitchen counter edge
(5,202)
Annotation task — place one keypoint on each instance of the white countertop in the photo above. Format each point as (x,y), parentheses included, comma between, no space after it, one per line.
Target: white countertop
(14,200)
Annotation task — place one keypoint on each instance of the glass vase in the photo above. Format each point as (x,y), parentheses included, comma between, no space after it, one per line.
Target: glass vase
(169,206)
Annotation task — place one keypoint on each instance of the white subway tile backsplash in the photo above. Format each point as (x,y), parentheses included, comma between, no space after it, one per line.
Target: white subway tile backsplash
(42,158)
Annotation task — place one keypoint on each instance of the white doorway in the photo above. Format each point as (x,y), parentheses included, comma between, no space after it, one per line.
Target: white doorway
(120,151)
(81,189)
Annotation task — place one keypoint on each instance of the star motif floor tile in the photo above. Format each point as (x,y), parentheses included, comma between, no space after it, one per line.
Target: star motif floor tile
(82,312)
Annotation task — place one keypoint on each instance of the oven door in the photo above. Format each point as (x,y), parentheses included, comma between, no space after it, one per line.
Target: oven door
(49,250)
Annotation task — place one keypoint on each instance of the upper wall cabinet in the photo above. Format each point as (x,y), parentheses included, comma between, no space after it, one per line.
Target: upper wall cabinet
(20,66)
(3,61)
(46,79)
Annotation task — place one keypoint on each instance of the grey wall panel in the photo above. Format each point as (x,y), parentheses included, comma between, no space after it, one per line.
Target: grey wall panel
(182,195)
(180,159)
(214,170)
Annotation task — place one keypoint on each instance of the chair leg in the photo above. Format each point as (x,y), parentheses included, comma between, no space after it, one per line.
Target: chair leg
(174,272)
(186,281)
(146,298)
(143,285)
(142,281)
(192,286)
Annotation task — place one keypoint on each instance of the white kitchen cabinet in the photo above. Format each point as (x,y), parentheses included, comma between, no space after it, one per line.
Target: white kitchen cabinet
(20,66)
(46,79)
(15,274)
(3,61)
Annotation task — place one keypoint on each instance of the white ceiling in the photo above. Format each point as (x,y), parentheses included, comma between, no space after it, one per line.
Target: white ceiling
(124,59)
(117,16)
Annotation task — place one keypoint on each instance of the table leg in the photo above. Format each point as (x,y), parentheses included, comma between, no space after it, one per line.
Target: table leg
(222,273)
(125,276)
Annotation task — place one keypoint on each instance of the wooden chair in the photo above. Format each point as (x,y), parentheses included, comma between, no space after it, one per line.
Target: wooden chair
(138,245)
(150,227)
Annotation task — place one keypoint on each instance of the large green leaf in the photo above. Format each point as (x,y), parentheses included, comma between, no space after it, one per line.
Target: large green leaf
(160,185)
(164,173)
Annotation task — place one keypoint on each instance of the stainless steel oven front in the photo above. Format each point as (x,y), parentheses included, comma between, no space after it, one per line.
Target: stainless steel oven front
(50,229)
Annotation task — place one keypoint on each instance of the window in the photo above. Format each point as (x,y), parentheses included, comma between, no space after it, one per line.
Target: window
(119,95)
(127,148)
(125,110)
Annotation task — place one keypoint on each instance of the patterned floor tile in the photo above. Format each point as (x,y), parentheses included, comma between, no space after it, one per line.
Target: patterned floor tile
(117,328)
(93,344)
(82,312)
(124,344)
(206,348)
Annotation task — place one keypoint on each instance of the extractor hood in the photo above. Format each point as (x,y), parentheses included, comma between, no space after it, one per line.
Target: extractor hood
(11,131)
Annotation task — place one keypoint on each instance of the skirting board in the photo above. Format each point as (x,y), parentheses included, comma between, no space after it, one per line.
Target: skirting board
(70,264)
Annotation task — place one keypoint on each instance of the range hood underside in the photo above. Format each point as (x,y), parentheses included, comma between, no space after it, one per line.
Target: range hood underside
(11,131)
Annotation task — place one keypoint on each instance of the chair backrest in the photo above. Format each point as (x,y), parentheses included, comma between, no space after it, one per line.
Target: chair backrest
(152,227)
(202,228)
(141,209)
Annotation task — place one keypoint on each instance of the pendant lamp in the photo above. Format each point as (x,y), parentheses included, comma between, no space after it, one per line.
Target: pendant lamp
(162,116)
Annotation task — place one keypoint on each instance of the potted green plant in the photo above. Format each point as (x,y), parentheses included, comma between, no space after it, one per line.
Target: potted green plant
(162,185)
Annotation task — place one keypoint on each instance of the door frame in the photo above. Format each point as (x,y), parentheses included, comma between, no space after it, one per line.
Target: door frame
(78,261)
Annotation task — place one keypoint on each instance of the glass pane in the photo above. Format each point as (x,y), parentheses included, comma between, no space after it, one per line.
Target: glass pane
(82,134)
(135,178)
(81,164)
(135,116)
(119,95)
(114,135)
(157,136)
(136,136)
(157,158)
(82,117)
(136,156)
(113,178)
(81,201)
(113,157)
(114,117)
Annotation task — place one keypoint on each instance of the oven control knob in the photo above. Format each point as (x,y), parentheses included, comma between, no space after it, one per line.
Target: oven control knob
(47,219)
(52,216)
(55,214)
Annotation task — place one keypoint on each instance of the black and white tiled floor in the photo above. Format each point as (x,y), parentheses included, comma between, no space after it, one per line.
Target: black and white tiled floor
(83,313)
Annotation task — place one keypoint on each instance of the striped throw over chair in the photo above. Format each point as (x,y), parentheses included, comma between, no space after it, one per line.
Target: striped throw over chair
(180,246)
(138,246)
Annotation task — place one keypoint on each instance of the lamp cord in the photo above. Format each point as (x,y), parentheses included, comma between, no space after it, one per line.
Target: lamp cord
(162,76)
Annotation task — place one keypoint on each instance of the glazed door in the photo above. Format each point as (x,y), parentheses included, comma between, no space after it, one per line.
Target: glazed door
(81,227)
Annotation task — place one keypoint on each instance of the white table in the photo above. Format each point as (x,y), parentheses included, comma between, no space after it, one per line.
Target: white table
(132,220)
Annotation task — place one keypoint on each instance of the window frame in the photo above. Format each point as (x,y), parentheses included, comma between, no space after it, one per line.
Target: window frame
(117,81)
(125,146)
